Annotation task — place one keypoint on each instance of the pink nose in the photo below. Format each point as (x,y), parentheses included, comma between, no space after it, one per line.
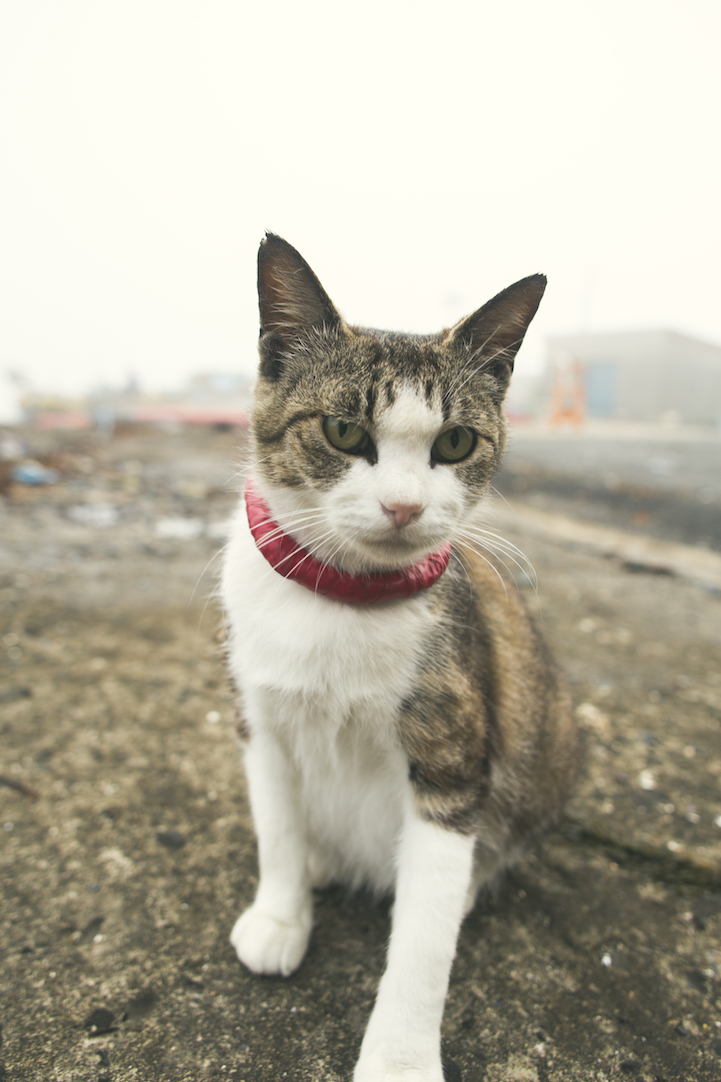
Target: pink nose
(402,513)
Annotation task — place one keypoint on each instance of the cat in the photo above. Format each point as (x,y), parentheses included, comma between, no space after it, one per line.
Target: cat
(405,726)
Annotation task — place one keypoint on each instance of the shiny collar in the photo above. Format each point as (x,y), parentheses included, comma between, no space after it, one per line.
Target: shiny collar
(293,562)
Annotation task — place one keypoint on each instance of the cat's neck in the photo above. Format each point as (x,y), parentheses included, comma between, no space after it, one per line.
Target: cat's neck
(293,562)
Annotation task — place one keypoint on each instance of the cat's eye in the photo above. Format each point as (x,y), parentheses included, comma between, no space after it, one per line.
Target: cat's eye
(346,435)
(453,445)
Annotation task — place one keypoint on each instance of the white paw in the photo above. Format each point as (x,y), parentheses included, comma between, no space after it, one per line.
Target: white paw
(382,1068)
(267,945)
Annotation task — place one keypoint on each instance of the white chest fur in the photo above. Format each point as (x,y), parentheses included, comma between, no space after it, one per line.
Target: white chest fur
(326,678)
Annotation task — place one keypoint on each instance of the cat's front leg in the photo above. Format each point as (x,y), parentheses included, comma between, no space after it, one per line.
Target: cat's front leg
(403,1038)
(272,935)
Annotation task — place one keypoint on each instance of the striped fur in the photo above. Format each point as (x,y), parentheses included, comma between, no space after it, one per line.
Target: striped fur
(417,745)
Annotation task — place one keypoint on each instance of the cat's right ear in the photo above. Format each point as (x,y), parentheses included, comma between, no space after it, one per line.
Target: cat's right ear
(292,302)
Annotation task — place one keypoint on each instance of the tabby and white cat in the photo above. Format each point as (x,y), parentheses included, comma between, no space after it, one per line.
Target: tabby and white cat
(405,726)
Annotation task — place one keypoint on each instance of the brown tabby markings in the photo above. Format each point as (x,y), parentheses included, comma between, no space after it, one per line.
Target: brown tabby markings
(342,378)
(475,730)
(488,731)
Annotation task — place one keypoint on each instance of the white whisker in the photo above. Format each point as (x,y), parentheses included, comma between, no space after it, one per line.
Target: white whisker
(478,544)
(494,543)
(210,561)
(492,566)
(502,497)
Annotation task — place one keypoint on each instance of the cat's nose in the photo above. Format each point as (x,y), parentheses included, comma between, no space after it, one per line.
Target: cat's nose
(402,513)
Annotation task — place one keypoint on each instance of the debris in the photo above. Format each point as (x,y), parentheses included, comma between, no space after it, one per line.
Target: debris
(100,1021)
(191,490)
(180,529)
(117,860)
(647,780)
(31,472)
(99,515)
(11,695)
(11,448)
(592,718)
(19,787)
(171,839)
(88,933)
(646,567)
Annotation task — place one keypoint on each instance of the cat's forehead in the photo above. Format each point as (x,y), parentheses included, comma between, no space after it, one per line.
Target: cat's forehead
(411,412)
(404,370)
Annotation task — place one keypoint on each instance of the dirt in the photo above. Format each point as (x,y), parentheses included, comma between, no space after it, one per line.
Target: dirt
(127,849)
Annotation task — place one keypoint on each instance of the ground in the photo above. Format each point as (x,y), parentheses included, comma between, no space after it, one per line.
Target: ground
(127,849)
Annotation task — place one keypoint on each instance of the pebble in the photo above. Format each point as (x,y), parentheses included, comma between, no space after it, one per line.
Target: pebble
(171,839)
(647,780)
(99,1021)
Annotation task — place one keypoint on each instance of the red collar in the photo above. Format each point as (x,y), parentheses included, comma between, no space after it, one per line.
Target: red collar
(293,562)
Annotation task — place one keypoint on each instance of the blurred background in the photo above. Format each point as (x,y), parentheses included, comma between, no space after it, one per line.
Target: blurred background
(420,157)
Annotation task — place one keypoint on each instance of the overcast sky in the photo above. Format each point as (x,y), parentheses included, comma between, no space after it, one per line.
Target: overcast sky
(420,155)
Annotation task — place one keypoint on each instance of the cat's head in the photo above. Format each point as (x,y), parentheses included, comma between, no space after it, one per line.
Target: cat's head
(373,448)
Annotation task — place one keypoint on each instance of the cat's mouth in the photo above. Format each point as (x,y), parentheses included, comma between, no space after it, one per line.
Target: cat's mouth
(395,550)
(357,548)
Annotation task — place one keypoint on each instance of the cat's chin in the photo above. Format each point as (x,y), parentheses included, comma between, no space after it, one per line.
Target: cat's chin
(390,554)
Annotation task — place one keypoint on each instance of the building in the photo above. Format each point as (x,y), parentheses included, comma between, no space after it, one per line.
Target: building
(641,375)
(215,399)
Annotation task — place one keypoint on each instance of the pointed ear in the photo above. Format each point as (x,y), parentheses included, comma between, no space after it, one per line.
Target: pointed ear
(495,332)
(291,299)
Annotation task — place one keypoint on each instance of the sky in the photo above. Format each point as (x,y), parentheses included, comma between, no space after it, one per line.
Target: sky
(421,156)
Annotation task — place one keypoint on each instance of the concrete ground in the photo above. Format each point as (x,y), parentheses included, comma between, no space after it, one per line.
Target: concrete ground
(657,481)
(127,851)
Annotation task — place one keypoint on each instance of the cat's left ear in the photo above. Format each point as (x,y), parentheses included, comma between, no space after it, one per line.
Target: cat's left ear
(495,332)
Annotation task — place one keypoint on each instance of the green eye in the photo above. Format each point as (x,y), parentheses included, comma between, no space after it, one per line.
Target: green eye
(453,445)
(345,435)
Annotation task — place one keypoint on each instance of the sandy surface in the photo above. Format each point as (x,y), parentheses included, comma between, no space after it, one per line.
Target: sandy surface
(129,853)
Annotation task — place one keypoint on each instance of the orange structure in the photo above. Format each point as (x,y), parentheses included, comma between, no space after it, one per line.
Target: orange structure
(568,395)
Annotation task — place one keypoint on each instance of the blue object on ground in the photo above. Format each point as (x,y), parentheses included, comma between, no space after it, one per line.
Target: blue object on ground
(33,473)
